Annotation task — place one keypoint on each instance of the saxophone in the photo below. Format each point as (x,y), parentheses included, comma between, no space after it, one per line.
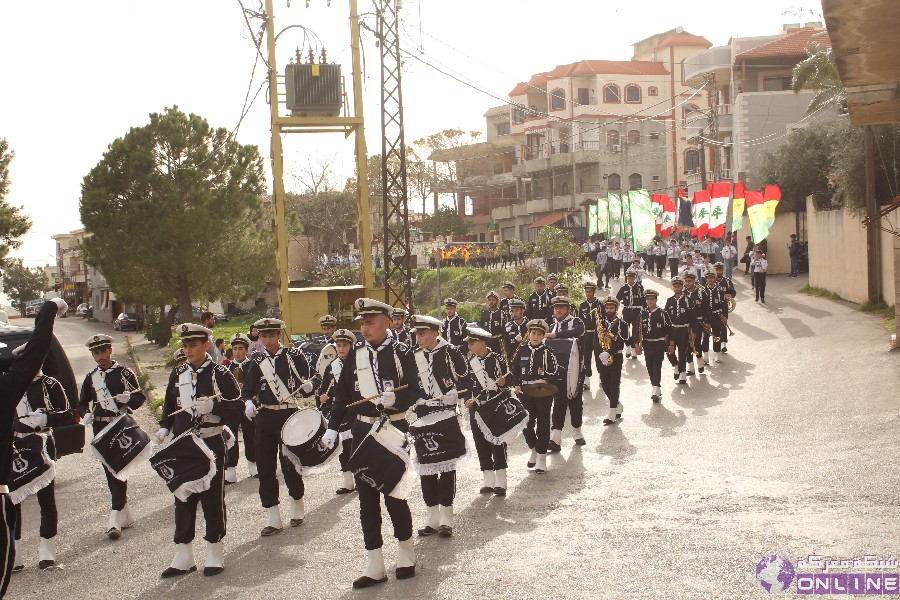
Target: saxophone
(604,337)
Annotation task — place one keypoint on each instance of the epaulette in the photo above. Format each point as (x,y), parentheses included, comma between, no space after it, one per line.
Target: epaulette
(181,368)
(49,381)
(358,345)
(401,347)
(294,351)
(223,369)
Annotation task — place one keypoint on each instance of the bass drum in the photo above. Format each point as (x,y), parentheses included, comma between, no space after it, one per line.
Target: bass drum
(568,355)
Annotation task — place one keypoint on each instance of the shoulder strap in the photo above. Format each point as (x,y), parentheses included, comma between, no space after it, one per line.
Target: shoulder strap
(364,375)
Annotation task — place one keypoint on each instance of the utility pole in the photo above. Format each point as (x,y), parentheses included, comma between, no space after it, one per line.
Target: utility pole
(872,231)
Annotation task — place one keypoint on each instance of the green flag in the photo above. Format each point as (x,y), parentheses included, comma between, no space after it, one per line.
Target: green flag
(643,222)
(491,225)
(615,216)
(603,216)
(626,216)
(592,220)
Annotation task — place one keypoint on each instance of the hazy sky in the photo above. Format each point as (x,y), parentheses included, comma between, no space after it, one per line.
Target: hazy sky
(76,75)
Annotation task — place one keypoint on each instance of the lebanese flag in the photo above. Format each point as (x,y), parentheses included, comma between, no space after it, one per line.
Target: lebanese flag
(771,196)
(668,219)
(701,213)
(720,194)
(658,207)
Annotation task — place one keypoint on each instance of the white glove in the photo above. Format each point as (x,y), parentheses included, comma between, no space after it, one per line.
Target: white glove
(451,397)
(307,387)
(387,399)
(203,406)
(35,420)
(604,358)
(123,398)
(61,306)
(87,419)
(330,438)
(110,404)
(160,435)
(249,409)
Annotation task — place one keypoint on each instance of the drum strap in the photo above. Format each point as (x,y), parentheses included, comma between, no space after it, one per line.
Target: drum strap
(336,366)
(481,375)
(186,386)
(425,373)
(364,374)
(98,382)
(267,366)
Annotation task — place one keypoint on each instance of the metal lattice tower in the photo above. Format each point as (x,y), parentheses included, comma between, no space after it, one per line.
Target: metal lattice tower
(397,271)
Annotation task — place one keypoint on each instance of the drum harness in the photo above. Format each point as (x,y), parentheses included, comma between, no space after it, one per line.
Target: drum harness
(98,382)
(267,366)
(186,400)
(425,366)
(367,375)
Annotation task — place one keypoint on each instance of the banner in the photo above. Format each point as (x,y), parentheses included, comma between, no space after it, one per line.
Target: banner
(737,207)
(720,193)
(701,213)
(643,222)
(771,197)
(668,219)
(658,209)
(615,216)
(756,214)
(626,217)
(685,211)
(592,220)
(603,216)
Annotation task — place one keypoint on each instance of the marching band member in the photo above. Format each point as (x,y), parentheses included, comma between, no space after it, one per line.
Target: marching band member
(589,339)
(509,293)
(538,301)
(272,382)
(714,313)
(441,369)
(492,320)
(673,253)
(535,364)
(240,348)
(689,266)
(616,331)
(454,326)
(628,257)
(213,396)
(659,256)
(401,330)
(655,327)
(552,283)
(681,315)
(327,323)
(726,286)
(13,383)
(565,325)
(631,295)
(343,342)
(179,357)
(487,378)
(615,254)
(388,366)
(700,307)
(108,391)
(43,407)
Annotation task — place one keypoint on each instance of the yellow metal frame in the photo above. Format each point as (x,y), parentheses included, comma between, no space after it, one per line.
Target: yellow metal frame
(299,305)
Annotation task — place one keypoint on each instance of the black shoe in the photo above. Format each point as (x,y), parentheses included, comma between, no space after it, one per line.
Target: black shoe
(364,582)
(210,571)
(230,482)
(255,476)
(427,530)
(499,491)
(676,376)
(701,369)
(296,522)
(763,300)
(580,442)
(18,568)
(46,564)
(553,446)
(344,490)
(113,533)
(269,530)
(173,572)
(530,465)
(486,490)
(405,572)
(445,531)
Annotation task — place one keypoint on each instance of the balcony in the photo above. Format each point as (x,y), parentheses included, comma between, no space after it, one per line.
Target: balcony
(715,61)
(587,152)
(540,205)
(561,156)
(564,202)
(502,212)
(723,114)
(520,210)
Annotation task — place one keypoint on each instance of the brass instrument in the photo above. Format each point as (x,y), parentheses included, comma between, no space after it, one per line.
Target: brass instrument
(238,375)
(732,304)
(605,338)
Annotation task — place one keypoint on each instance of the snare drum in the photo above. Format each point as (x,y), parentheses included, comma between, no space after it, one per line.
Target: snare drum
(31,470)
(439,442)
(381,460)
(121,446)
(501,419)
(301,438)
(186,464)
(568,356)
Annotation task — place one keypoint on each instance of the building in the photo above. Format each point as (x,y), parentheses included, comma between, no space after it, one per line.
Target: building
(51,272)
(75,281)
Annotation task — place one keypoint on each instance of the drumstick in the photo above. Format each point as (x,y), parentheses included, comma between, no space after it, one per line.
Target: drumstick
(181,410)
(379,395)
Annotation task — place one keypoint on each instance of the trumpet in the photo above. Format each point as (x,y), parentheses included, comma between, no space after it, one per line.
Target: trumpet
(727,326)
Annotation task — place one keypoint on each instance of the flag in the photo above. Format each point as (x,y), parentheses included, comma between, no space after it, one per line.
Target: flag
(720,193)
(592,220)
(771,196)
(668,220)
(658,208)
(737,207)
(643,224)
(626,217)
(756,213)
(701,213)
(685,211)
(615,216)
(603,216)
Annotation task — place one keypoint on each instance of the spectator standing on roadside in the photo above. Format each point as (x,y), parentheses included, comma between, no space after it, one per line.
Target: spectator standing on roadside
(794,253)
(208,320)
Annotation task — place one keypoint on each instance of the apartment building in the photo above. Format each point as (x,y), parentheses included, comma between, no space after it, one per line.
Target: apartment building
(75,280)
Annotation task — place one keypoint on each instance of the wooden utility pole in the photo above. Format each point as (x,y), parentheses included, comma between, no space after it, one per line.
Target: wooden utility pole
(872,231)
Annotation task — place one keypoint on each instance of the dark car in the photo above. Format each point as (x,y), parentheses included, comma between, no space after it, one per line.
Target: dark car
(128,321)
(222,317)
(56,364)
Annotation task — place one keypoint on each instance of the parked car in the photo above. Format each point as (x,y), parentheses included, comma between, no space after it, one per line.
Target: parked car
(273,312)
(195,315)
(32,307)
(128,321)
(222,317)
(82,310)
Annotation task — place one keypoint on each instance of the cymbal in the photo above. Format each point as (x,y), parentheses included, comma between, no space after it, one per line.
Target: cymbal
(539,390)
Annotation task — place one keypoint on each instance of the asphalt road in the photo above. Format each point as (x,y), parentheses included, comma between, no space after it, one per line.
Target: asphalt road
(788,447)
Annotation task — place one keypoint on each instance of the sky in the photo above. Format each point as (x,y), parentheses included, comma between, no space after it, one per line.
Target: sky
(74,76)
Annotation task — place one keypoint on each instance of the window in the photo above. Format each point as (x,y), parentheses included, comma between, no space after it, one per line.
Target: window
(518,114)
(653,91)
(503,129)
(632,93)
(611,93)
(634,137)
(654,135)
(584,96)
(776,84)
(558,99)
(635,181)
(691,160)
(614,181)
(564,189)
(612,138)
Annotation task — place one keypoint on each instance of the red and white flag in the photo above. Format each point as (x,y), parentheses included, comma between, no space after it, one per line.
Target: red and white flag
(720,194)
(701,213)
(669,212)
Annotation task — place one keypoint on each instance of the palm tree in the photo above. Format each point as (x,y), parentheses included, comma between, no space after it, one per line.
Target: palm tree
(819,73)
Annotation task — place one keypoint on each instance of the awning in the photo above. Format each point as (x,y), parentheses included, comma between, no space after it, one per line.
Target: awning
(550,219)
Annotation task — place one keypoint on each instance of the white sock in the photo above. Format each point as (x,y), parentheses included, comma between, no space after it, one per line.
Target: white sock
(231,475)
(20,558)
(113,522)
(349,482)
(576,434)
(251,468)
(447,516)
(298,509)
(433,516)
(274,515)
(611,415)
(619,408)
(556,436)
(126,519)
(406,553)
(47,549)
(533,458)
(500,478)
(375,566)
(184,557)
(541,462)
(488,478)
(215,554)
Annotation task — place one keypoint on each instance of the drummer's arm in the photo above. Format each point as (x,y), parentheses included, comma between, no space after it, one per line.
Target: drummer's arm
(62,413)
(228,407)
(304,367)
(407,397)
(251,382)
(137,394)
(343,393)
(21,372)
(84,399)
(170,404)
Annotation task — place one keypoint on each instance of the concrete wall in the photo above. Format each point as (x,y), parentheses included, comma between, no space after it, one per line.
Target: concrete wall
(778,240)
(837,255)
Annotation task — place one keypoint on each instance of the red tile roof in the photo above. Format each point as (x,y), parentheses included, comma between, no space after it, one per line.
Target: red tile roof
(683,39)
(592,67)
(793,44)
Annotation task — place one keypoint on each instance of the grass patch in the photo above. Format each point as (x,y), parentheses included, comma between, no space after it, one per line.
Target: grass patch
(225,330)
(819,293)
(879,310)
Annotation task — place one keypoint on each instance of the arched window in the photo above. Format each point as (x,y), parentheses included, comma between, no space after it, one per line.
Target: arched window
(558,99)
(635,181)
(564,189)
(690,113)
(612,138)
(614,181)
(632,93)
(653,91)
(611,93)
(634,137)
(691,160)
